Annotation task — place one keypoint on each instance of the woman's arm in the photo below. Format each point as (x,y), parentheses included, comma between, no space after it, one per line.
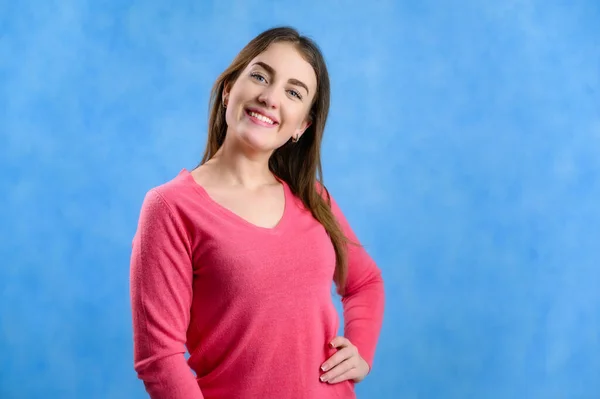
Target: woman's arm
(364,297)
(161,295)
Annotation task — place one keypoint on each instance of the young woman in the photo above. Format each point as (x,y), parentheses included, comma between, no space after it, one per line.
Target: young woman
(235,259)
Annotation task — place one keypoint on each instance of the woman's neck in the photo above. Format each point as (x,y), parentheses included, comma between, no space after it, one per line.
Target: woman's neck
(235,167)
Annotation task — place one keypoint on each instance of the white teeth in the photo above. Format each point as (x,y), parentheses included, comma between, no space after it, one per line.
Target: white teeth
(261,117)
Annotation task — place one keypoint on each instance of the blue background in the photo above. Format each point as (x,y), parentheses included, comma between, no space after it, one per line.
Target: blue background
(463,145)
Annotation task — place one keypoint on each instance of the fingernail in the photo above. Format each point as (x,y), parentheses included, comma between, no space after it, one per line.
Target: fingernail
(331,345)
(324,367)
(322,378)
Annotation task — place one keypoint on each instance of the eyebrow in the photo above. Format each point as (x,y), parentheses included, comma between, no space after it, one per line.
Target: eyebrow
(271,71)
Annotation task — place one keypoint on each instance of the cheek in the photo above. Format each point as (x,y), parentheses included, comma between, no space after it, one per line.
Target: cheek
(294,120)
(228,118)
(233,112)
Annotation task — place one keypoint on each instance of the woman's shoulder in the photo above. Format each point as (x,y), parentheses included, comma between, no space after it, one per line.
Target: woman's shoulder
(325,193)
(173,194)
(174,187)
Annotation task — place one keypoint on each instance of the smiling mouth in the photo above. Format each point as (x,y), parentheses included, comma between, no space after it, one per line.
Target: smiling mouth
(260,117)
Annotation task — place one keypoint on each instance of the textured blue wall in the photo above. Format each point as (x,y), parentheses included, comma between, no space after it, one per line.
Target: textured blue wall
(463,144)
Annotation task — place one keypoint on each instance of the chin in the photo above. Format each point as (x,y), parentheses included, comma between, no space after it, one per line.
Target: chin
(259,141)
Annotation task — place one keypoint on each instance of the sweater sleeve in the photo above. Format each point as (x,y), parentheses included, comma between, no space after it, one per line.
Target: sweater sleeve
(364,298)
(161,295)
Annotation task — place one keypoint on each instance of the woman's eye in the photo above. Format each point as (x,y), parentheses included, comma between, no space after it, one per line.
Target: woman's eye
(258,77)
(296,94)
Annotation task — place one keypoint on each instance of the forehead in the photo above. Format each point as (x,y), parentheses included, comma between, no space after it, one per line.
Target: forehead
(288,63)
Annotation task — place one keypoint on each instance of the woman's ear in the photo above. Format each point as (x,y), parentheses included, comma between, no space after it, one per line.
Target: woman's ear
(225,94)
(302,128)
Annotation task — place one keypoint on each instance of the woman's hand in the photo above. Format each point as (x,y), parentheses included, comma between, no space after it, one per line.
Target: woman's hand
(345,364)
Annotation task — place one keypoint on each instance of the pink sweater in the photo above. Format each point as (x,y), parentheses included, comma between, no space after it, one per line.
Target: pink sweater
(252,305)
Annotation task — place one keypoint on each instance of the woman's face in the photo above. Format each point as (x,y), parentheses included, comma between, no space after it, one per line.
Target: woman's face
(270,101)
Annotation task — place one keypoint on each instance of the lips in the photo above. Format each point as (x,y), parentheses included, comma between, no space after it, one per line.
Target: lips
(262,116)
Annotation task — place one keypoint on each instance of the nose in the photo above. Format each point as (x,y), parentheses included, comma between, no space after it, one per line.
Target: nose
(268,98)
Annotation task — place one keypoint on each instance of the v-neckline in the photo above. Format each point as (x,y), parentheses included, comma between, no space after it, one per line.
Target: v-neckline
(236,217)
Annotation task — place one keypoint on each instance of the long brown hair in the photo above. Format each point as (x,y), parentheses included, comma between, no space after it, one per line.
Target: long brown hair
(298,164)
